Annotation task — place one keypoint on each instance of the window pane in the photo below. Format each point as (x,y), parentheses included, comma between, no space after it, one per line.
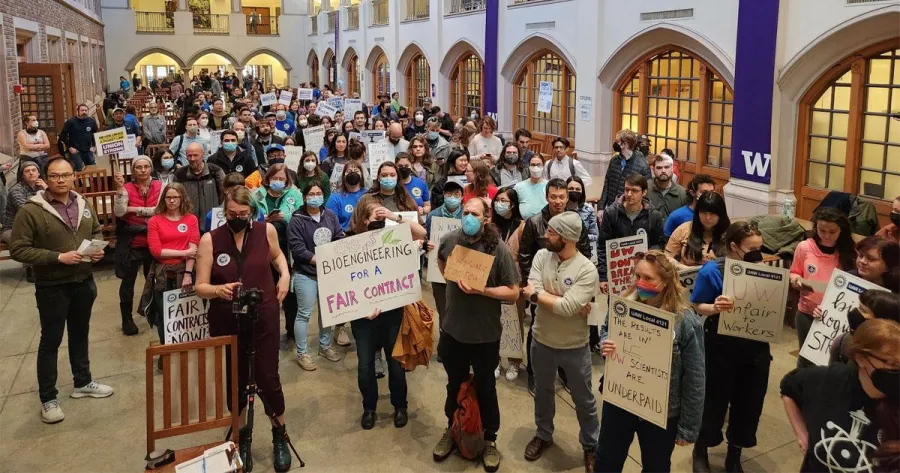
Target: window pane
(874,128)
(816,175)
(879,71)
(877,99)
(842,98)
(825,100)
(836,178)
(840,124)
(838,152)
(891,186)
(821,123)
(872,156)
(871,184)
(818,149)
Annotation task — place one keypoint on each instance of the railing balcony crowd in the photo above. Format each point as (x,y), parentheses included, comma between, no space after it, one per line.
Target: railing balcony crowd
(417,9)
(380,14)
(207,23)
(154,22)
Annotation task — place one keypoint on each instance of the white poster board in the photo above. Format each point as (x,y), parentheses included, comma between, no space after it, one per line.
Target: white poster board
(545,97)
(841,296)
(408,216)
(110,141)
(268,99)
(440,226)
(598,310)
(462,180)
(293,156)
(304,94)
(217,218)
(620,261)
(638,373)
(285,97)
(585,108)
(314,137)
(215,141)
(354,135)
(184,317)
(336,173)
(375,269)
(760,296)
(372,136)
(131,150)
(326,110)
(688,278)
(378,153)
(337,103)
(351,106)
(511,337)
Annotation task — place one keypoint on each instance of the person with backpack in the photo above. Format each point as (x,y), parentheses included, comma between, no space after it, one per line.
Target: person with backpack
(563,166)
(626,162)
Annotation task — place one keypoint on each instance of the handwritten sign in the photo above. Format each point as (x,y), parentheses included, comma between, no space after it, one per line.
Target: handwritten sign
(217,218)
(351,106)
(620,261)
(336,102)
(184,317)
(440,226)
(841,297)
(293,156)
(111,141)
(285,97)
(375,269)
(378,153)
(638,373)
(688,278)
(131,150)
(326,110)
(468,265)
(545,97)
(585,108)
(304,94)
(314,137)
(511,338)
(760,295)
(371,136)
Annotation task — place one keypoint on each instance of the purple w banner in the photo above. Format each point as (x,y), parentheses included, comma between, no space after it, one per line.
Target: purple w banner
(754,81)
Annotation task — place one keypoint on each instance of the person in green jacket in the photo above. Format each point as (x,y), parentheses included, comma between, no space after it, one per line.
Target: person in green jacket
(310,172)
(47,232)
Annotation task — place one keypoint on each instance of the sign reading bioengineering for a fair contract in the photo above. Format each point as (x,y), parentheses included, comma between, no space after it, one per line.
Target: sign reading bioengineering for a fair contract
(375,269)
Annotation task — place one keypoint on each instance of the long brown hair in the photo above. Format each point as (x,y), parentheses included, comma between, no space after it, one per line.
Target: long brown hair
(186,206)
(427,159)
(351,164)
(482,178)
(361,213)
(672,298)
(404,202)
(889,252)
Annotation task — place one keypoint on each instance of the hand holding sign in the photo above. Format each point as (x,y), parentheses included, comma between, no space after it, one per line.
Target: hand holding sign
(468,267)
(755,302)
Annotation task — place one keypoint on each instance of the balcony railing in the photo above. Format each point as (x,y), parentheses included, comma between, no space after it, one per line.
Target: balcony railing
(263,25)
(465,6)
(205,23)
(154,22)
(352,17)
(314,25)
(331,20)
(417,9)
(380,14)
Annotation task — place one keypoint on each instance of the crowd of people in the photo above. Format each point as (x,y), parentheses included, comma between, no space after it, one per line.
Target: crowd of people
(528,210)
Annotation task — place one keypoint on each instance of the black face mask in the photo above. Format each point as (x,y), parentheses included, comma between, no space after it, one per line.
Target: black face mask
(895,218)
(375,225)
(575,197)
(511,159)
(754,256)
(353,178)
(887,381)
(645,150)
(855,319)
(616,147)
(238,224)
(405,172)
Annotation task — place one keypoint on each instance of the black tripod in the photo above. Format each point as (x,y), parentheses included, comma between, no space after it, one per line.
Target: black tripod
(252,314)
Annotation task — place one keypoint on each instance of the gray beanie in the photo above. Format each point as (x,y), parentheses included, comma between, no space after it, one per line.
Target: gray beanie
(568,225)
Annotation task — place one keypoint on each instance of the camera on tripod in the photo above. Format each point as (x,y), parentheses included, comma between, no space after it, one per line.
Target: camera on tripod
(245,299)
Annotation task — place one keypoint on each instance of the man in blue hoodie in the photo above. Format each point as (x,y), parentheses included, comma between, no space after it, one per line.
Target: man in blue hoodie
(77,137)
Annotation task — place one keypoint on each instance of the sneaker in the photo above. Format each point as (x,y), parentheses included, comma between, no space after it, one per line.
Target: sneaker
(497,372)
(342,339)
(512,373)
(306,362)
(93,389)
(379,365)
(444,447)
(51,413)
(490,458)
(329,354)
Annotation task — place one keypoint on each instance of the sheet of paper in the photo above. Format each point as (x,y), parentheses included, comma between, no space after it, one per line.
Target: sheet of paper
(91,247)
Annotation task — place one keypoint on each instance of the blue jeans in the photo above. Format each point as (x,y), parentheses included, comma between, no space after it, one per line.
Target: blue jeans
(307,291)
(371,336)
(82,159)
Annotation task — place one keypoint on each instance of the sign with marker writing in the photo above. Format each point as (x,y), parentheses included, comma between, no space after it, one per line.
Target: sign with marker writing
(313,137)
(304,94)
(688,278)
(111,141)
(184,317)
(337,103)
(440,226)
(638,373)
(217,218)
(759,293)
(351,106)
(511,337)
(620,261)
(585,108)
(473,267)
(378,153)
(545,97)
(267,99)
(841,297)
(375,269)
(326,110)
(285,97)
(131,150)
(293,156)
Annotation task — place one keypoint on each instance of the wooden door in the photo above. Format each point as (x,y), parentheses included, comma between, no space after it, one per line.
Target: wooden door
(49,93)
(263,21)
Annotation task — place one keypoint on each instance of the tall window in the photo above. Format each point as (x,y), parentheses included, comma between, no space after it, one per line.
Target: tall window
(560,120)
(850,130)
(682,104)
(331,68)
(418,81)
(353,77)
(466,86)
(382,77)
(314,69)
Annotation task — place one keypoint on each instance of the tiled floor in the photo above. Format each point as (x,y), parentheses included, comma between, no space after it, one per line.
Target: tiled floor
(323,408)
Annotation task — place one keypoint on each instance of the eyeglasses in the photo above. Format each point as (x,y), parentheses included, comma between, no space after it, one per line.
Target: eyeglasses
(63,176)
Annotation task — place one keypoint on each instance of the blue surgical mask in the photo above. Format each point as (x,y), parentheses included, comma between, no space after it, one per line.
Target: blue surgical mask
(315,201)
(452,203)
(229,147)
(471,225)
(168,163)
(432,135)
(388,183)
(276,186)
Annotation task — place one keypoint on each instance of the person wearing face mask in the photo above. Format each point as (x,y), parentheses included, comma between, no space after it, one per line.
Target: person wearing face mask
(244,141)
(471,330)
(627,161)
(153,126)
(891,231)
(511,168)
(191,136)
(665,193)
(738,366)
(438,147)
(231,158)
(33,142)
(396,139)
(310,172)
(344,199)
(416,126)
(510,224)
(386,192)
(413,184)
(873,304)
(294,111)
(532,191)
(264,139)
(584,210)
(454,169)
(562,283)
(283,122)
(845,417)
(451,208)
(302,123)
(164,166)
(643,145)
(657,285)
(203,132)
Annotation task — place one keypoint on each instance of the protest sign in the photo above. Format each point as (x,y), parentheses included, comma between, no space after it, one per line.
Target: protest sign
(585,108)
(267,99)
(841,296)
(293,156)
(131,150)
(184,317)
(371,136)
(408,216)
(378,153)
(326,110)
(461,180)
(759,293)
(314,137)
(215,141)
(511,338)
(688,278)
(440,226)
(286,96)
(545,97)
(351,106)
(217,219)
(375,269)
(337,103)
(468,265)
(599,308)
(304,94)
(354,135)
(110,141)
(620,261)
(638,373)
(336,174)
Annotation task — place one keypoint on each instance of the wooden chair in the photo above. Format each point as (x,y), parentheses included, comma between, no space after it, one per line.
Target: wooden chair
(104,203)
(187,423)
(124,166)
(152,149)
(91,179)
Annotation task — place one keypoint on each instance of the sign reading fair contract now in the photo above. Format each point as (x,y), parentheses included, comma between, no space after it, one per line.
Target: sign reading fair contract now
(376,269)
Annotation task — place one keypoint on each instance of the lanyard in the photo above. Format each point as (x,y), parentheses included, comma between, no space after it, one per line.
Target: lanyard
(240,253)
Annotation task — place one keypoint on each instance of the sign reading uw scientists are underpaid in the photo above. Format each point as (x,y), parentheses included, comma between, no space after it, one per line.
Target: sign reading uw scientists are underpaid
(376,269)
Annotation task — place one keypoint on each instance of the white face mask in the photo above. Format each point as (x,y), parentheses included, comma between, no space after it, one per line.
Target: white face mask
(240,135)
(35,125)
(309,165)
(536,171)
(204,122)
(419,117)
(280,114)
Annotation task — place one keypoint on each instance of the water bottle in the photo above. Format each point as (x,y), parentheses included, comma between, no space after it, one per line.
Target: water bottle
(789,207)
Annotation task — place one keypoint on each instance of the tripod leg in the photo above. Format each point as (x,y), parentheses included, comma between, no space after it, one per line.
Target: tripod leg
(278,425)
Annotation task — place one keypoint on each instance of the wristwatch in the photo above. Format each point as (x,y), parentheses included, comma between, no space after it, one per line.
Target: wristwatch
(399,218)
(534,297)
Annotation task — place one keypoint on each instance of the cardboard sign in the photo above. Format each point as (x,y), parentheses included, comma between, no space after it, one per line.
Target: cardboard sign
(285,97)
(511,338)
(131,150)
(545,97)
(336,174)
(351,106)
(841,297)
(268,99)
(378,153)
(620,261)
(293,157)
(326,110)
(337,103)
(110,141)
(217,219)
(468,265)
(314,137)
(304,94)
(760,295)
(440,226)
(688,278)
(372,136)
(184,317)
(638,373)
(375,269)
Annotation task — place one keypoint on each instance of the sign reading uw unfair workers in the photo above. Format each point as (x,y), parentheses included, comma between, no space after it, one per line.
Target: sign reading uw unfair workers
(841,296)
(754,77)
(759,293)
(184,317)
(375,269)
(620,261)
(637,374)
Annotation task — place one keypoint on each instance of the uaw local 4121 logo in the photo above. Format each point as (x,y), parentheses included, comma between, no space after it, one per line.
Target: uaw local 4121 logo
(840,281)
(172,298)
(736,269)
(620,308)
(613,245)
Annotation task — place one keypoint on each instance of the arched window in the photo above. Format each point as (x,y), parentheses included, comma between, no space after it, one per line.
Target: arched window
(546,66)
(466,86)
(331,67)
(849,131)
(418,81)
(381,75)
(682,104)
(353,77)
(314,69)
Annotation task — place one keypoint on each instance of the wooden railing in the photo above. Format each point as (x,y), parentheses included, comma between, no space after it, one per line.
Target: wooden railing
(465,6)
(154,22)
(380,15)
(206,23)
(417,9)
(352,17)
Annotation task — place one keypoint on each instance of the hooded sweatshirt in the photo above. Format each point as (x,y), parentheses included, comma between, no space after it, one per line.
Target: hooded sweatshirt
(305,234)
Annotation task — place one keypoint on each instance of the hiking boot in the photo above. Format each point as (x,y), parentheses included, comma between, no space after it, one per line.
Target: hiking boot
(490,458)
(401,417)
(128,326)
(329,354)
(51,413)
(281,455)
(700,458)
(92,389)
(589,461)
(342,338)
(536,448)
(306,362)
(379,365)
(244,448)
(444,447)
(368,420)
(733,460)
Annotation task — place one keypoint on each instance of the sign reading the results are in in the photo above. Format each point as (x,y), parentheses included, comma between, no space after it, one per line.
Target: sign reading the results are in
(759,293)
